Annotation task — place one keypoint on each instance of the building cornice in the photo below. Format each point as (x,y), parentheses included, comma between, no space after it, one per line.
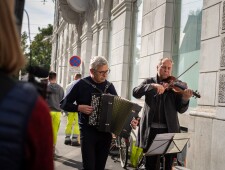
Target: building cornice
(121,8)
(86,36)
(103,24)
(76,45)
(95,28)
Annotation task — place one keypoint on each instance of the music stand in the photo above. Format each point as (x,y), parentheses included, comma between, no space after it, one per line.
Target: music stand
(167,143)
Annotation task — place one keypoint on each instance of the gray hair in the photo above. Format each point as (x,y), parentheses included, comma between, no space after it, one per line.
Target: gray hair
(97,61)
(165,58)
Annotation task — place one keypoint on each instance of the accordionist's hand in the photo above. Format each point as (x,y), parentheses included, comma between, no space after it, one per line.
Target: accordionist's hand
(135,122)
(86,109)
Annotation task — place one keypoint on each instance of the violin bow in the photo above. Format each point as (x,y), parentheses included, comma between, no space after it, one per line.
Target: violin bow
(195,93)
(187,69)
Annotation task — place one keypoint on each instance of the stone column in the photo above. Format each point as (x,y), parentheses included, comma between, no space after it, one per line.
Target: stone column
(121,44)
(86,52)
(95,44)
(68,77)
(103,38)
(64,69)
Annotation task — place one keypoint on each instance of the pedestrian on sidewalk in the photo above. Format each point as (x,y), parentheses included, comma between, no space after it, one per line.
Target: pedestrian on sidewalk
(72,126)
(56,94)
(94,143)
(25,128)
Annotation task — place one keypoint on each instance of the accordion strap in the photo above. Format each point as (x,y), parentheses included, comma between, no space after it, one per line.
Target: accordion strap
(95,87)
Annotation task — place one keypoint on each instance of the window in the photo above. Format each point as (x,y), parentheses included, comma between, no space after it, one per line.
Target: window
(136,45)
(186,42)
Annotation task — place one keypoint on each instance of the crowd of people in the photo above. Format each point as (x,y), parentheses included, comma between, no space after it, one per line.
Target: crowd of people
(28,130)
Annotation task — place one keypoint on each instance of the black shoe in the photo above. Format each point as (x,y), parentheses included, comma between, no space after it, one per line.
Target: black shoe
(67,140)
(74,142)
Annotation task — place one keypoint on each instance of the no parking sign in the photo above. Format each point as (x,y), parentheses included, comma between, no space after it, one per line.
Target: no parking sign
(75,61)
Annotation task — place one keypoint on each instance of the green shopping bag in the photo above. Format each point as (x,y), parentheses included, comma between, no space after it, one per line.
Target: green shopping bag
(136,155)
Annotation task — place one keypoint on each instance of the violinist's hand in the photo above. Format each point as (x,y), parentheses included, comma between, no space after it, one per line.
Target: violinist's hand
(187,93)
(86,109)
(159,88)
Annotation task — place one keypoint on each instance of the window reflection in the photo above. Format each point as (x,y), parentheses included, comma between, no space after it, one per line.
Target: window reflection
(136,45)
(187,39)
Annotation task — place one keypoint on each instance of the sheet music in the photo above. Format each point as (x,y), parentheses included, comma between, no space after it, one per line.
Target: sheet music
(160,143)
(176,142)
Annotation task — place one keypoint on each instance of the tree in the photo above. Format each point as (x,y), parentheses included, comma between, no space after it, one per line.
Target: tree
(24,44)
(41,48)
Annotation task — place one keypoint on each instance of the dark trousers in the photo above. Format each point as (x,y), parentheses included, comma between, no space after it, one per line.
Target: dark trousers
(153,162)
(94,148)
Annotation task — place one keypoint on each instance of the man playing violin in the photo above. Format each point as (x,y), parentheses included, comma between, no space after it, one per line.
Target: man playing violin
(160,111)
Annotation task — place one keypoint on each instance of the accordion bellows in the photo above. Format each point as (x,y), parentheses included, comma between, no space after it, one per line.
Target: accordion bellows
(111,113)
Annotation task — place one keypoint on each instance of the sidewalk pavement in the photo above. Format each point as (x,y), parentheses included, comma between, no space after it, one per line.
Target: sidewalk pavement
(69,157)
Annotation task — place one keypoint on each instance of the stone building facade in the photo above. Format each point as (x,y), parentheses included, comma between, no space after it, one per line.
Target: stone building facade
(133,35)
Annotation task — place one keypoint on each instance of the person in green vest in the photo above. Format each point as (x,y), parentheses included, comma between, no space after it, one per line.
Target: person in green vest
(56,94)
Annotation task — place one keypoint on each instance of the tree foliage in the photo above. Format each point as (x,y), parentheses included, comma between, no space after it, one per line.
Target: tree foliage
(24,45)
(39,52)
(41,48)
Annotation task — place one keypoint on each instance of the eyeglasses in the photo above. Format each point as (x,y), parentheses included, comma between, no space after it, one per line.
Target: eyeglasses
(103,72)
(166,68)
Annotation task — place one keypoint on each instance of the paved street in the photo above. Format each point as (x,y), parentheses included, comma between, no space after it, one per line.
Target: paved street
(69,157)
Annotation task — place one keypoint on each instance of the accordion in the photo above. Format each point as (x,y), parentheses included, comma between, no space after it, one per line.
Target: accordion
(112,113)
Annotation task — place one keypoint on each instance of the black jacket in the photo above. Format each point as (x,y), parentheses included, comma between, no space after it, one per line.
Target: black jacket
(172,104)
(80,94)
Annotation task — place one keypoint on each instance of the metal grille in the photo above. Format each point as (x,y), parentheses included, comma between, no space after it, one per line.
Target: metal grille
(221,88)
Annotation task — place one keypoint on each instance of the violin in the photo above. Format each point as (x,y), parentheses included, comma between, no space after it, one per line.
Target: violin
(178,86)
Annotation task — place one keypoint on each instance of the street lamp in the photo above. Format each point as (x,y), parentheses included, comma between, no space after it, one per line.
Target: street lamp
(29,34)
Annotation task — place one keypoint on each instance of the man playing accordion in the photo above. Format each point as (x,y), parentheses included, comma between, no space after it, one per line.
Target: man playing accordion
(95,144)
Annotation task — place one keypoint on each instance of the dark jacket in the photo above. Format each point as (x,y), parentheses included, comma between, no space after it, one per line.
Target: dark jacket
(172,104)
(81,94)
(25,128)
